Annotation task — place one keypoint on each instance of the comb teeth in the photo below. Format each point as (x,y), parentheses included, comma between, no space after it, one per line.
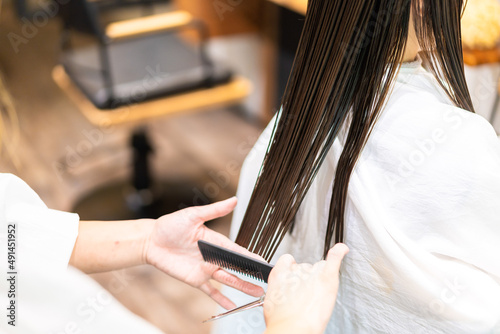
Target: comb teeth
(240,263)
(224,261)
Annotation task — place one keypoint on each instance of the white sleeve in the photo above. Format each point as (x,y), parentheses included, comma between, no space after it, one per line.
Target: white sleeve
(44,238)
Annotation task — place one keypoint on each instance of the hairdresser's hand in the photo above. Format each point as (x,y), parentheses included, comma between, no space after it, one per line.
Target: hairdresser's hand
(300,297)
(172,248)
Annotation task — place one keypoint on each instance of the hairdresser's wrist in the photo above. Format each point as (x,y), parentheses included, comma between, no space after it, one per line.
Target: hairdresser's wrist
(148,240)
(146,235)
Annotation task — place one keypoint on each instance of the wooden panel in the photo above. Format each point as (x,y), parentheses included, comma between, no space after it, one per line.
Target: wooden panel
(478,57)
(299,6)
(270,57)
(148,24)
(225,17)
(230,93)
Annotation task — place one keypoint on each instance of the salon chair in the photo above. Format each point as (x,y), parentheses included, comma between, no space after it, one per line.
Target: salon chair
(106,5)
(136,70)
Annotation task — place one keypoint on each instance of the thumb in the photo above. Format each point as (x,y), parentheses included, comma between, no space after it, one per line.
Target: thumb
(335,256)
(284,263)
(212,211)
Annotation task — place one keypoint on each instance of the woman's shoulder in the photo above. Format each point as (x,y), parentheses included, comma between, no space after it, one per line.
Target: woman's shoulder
(418,106)
(418,131)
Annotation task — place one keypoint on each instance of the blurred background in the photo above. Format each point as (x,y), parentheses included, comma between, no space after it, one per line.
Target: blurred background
(137,108)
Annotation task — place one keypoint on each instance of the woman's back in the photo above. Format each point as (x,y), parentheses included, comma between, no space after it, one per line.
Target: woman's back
(422,218)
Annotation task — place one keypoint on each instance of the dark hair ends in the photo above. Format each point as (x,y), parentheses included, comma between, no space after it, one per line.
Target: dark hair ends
(348,57)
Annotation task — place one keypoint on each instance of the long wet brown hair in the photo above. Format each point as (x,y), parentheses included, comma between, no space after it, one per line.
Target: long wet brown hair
(348,57)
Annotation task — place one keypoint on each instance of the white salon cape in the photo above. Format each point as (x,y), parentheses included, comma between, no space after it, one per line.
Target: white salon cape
(50,298)
(422,220)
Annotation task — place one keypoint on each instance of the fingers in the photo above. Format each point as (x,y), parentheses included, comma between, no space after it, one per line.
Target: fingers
(237,283)
(335,256)
(285,261)
(212,211)
(217,296)
(284,264)
(332,263)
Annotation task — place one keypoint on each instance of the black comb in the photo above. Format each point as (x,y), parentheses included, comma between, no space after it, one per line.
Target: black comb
(240,263)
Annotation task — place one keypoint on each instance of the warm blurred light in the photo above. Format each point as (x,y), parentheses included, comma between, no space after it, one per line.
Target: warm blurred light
(481,24)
